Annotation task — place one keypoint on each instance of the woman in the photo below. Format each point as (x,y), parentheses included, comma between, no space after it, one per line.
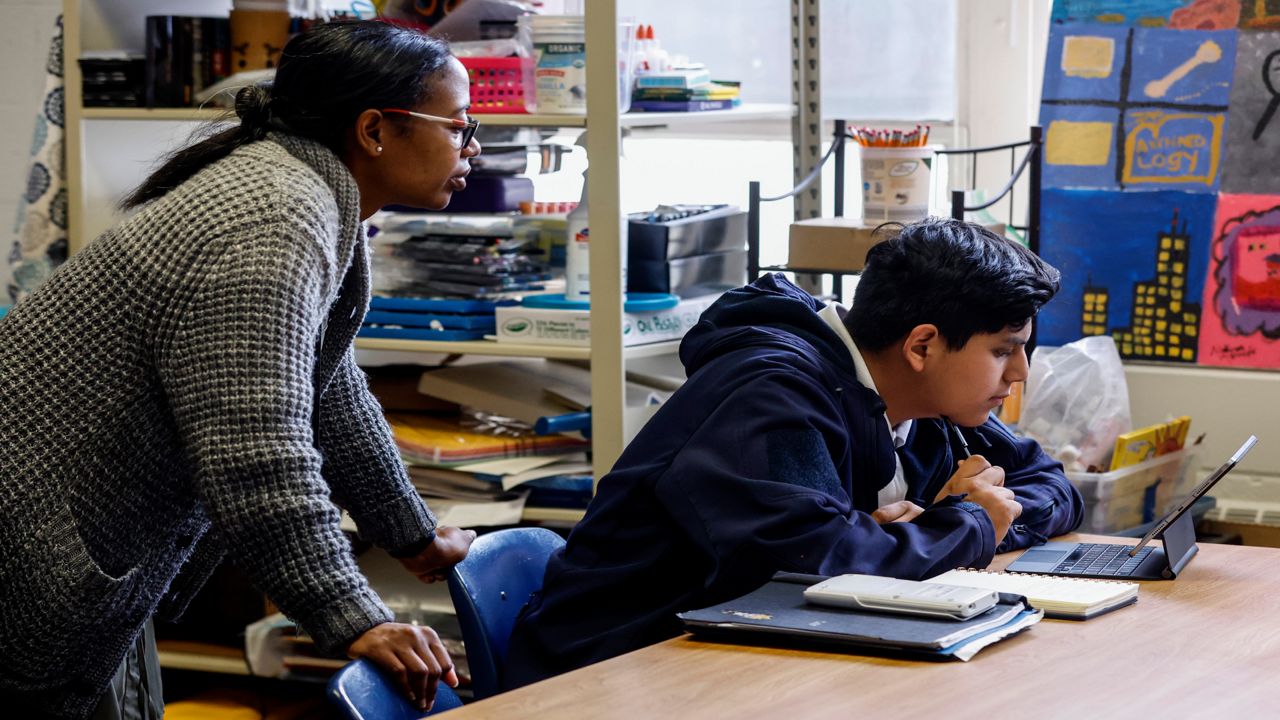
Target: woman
(186,387)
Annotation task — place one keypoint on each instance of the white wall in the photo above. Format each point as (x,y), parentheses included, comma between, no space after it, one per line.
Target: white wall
(1001,67)
(24,48)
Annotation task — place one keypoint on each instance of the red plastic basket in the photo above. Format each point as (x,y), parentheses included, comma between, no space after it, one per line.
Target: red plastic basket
(497,83)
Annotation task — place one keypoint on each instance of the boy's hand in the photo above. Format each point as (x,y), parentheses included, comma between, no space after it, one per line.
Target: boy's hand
(448,549)
(901,511)
(1000,506)
(972,472)
(412,654)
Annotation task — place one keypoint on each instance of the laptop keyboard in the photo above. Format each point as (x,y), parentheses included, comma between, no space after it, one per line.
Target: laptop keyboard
(1102,559)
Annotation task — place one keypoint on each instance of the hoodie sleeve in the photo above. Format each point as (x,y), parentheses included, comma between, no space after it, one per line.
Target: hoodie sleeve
(765,484)
(1051,505)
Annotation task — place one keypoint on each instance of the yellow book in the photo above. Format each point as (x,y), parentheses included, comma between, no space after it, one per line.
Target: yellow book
(1145,443)
(429,440)
(1059,596)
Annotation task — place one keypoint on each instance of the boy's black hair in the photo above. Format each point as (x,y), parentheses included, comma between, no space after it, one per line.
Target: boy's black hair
(956,275)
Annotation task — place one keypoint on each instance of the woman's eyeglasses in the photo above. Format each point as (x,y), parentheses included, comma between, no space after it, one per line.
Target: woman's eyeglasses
(468,126)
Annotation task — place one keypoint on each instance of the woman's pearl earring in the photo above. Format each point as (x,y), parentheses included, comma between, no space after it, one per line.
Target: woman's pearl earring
(379,149)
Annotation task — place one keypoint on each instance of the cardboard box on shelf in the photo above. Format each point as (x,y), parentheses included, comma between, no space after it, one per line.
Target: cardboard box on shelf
(838,244)
(541,326)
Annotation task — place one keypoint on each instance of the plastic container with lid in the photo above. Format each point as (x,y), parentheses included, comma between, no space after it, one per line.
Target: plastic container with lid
(556,82)
(559,44)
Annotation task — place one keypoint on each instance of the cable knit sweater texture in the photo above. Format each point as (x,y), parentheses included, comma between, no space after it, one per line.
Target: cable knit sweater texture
(157,400)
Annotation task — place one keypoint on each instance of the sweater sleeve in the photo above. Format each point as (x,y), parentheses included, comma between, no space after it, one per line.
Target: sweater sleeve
(363,467)
(1051,505)
(758,489)
(235,356)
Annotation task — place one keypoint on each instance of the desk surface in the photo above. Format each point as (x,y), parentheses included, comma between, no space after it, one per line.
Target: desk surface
(1204,645)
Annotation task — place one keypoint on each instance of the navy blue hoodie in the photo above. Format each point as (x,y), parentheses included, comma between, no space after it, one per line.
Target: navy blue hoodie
(769,458)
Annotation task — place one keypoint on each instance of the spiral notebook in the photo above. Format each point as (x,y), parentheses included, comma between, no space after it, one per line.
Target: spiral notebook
(1060,597)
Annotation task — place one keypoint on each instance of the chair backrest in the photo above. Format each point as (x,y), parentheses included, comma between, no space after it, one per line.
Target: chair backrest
(489,588)
(361,691)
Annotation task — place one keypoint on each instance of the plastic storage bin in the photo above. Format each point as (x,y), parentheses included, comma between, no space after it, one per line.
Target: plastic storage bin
(1128,497)
(498,83)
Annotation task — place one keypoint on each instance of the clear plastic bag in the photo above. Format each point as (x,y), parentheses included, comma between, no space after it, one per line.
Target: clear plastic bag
(1077,401)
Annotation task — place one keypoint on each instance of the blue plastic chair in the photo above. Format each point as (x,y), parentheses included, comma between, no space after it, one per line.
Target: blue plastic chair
(362,692)
(489,588)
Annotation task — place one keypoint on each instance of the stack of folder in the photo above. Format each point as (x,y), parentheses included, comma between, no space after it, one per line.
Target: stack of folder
(778,614)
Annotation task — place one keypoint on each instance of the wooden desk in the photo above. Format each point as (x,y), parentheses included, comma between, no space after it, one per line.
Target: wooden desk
(1206,645)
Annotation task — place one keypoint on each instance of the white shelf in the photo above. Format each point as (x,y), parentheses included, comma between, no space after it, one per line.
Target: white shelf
(188,114)
(548,514)
(747,112)
(491,347)
(475,347)
(201,657)
(743,113)
(532,120)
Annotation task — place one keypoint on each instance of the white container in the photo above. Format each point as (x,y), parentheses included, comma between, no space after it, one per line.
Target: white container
(559,45)
(895,182)
(577,251)
(1134,495)
(556,81)
(545,326)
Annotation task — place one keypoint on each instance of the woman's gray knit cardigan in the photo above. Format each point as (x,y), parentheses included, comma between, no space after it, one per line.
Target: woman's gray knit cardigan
(156,410)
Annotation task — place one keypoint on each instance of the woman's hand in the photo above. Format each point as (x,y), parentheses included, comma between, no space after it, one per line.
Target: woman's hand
(412,654)
(448,549)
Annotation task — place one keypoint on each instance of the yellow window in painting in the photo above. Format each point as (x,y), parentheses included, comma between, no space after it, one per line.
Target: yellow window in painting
(1072,142)
(1087,56)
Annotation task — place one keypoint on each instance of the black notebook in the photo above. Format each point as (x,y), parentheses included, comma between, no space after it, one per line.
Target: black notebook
(777,614)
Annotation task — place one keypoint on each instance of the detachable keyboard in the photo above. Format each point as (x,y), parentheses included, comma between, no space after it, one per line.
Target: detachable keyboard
(1102,559)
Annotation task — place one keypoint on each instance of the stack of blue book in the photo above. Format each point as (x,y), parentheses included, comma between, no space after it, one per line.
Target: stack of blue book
(429,318)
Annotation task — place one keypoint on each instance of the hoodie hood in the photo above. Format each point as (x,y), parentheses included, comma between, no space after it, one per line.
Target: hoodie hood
(769,312)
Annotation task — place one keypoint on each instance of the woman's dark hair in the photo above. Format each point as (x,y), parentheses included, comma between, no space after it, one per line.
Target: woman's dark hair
(959,276)
(327,76)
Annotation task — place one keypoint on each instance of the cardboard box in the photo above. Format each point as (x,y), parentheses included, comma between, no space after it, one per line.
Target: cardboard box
(540,326)
(838,244)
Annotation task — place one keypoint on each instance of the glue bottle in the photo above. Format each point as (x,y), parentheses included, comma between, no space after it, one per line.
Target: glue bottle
(577,263)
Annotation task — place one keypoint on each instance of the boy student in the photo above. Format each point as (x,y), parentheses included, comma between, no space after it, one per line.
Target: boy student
(816,440)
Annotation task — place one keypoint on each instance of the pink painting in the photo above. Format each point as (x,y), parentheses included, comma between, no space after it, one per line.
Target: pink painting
(1240,324)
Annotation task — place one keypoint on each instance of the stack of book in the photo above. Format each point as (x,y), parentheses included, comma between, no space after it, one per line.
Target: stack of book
(428,318)
(684,90)
(184,55)
(483,471)
(480,259)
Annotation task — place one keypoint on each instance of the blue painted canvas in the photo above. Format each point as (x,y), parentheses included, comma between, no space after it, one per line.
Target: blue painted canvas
(1108,246)
(1084,62)
(1184,67)
(1199,14)
(1081,147)
(1172,149)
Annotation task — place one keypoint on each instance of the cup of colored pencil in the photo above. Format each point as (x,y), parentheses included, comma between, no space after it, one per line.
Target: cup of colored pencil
(868,137)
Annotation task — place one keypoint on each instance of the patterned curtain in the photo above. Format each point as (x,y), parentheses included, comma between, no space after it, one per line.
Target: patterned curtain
(40,233)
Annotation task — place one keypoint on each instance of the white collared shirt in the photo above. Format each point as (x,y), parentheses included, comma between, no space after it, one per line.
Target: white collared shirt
(896,490)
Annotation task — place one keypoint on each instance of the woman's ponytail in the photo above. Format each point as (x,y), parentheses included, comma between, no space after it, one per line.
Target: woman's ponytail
(253,107)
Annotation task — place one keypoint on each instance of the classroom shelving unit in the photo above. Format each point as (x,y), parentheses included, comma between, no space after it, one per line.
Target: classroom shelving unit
(105,24)
(610,429)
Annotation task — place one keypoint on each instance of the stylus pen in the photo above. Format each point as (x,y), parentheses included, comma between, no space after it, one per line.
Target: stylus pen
(964,446)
